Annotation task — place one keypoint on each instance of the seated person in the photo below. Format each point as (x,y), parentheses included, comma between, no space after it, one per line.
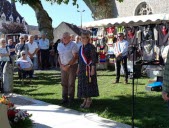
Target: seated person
(24,65)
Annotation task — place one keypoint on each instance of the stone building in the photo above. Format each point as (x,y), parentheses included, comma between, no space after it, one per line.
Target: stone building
(140,7)
(66,27)
(9,14)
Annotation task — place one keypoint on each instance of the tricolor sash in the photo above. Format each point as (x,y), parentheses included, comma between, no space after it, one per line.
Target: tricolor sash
(86,61)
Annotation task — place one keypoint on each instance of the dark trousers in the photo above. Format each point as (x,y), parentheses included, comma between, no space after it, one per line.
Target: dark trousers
(24,74)
(44,58)
(122,61)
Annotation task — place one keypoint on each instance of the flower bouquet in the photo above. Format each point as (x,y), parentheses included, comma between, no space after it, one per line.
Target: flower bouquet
(17,118)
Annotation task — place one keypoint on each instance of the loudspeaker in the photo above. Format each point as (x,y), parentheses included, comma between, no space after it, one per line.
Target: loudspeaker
(137,71)
(159,78)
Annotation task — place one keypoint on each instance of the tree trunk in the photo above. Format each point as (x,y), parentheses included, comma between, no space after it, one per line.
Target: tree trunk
(43,19)
(101,9)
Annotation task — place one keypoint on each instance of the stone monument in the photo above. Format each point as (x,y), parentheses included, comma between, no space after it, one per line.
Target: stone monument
(8,78)
(4,123)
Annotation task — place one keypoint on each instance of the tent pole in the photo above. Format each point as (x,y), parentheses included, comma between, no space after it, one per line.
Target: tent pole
(133,98)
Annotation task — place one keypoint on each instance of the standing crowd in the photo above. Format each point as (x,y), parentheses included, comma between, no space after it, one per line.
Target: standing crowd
(42,53)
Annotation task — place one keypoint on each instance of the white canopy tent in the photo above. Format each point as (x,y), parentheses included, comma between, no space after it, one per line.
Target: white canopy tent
(129,21)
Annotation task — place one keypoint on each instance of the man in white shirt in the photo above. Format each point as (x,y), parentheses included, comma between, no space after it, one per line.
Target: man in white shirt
(44,51)
(32,52)
(68,54)
(121,51)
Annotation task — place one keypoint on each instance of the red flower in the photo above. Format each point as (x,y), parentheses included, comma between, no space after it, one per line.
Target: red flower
(11,113)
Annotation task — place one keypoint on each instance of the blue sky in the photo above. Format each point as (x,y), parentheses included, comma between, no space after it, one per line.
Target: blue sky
(58,13)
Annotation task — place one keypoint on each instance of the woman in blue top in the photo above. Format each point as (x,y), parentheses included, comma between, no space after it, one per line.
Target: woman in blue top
(4,53)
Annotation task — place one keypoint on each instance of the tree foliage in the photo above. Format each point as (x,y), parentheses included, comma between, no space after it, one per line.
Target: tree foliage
(43,19)
(41,13)
(74,2)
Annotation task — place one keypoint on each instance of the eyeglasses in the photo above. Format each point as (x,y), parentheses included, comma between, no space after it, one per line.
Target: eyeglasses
(23,54)
(21,38)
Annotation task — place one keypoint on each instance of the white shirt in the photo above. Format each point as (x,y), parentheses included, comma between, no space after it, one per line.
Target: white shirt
(24,63)
(121,47)
(66,52)
(4,51)
(165,52)
(44,44)
(32,47)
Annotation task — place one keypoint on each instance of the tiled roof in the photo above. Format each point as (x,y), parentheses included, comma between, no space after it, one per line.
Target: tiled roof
(76,29)
(9,8)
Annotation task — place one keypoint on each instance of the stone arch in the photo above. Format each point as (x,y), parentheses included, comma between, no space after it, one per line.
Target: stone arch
(143,9)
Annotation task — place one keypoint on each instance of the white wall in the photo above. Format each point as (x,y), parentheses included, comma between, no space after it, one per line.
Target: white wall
(127,8)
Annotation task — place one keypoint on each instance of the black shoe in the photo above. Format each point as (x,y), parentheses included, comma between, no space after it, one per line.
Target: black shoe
(71,100)
(125,82)
(64,101)
(115,82)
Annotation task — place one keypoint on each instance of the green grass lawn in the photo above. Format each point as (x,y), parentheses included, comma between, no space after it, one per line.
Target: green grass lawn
(114,102)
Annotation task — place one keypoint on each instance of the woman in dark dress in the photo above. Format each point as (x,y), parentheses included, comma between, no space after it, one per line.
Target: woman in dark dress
(87,80)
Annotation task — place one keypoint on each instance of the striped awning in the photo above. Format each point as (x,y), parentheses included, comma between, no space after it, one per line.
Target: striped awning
(129,21)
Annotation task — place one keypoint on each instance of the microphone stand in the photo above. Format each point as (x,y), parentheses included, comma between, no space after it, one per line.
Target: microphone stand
(133,98)
(138,39)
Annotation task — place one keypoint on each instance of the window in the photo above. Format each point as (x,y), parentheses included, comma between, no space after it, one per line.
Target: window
(143,9)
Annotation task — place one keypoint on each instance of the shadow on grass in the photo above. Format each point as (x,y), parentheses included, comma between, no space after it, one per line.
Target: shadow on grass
(106,75)
(25,92)
(149,116)
(31,92)
(41,94)
(48,80)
